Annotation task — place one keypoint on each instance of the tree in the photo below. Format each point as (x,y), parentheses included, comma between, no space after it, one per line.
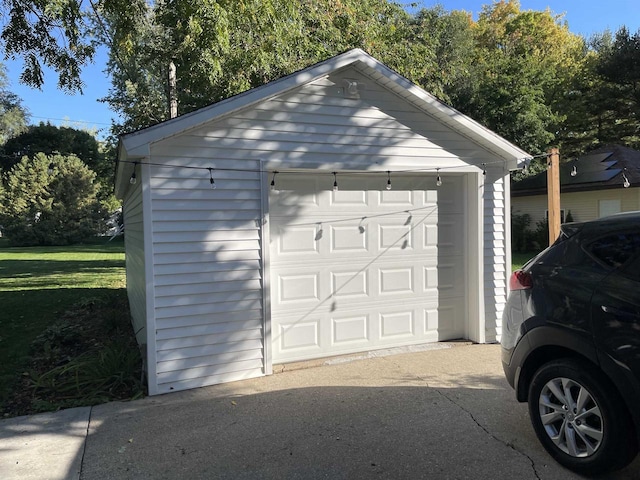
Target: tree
(222,48)
(13,116)
(55,34)
(522,60)
(50,200)
(50,139)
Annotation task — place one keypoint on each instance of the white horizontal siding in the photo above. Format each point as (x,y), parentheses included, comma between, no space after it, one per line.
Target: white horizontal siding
(135,261)
(495,253)
(207,268)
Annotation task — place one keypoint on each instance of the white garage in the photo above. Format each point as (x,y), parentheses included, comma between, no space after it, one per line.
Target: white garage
(352,211)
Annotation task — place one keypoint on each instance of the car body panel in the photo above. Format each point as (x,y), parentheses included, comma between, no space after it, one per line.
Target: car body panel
(585,302)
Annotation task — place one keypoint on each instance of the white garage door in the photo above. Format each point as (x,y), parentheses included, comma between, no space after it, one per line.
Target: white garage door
(364,268)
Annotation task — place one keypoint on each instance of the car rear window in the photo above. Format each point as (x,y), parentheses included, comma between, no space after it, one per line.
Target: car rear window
(616,249)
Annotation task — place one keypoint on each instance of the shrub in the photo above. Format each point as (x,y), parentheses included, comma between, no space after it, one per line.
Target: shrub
(520,232)
(541,235)
(50,200)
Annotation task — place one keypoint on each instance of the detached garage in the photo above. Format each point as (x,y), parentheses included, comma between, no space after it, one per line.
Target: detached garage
(339,209)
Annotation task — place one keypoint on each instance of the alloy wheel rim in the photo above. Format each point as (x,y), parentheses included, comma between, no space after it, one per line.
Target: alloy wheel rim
(571,417)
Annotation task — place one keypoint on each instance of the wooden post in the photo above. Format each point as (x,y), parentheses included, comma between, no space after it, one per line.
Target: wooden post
(553,194)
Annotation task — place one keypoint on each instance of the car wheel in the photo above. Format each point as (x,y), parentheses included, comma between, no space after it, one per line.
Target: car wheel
(579,418)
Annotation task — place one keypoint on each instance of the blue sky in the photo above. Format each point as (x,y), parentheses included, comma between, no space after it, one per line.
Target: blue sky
(585,17)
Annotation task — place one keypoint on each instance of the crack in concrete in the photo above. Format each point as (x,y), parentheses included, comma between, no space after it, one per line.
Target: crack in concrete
(84,445)
(507,444)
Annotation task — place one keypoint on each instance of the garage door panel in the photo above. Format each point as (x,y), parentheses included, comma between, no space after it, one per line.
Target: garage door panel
(364,268)
(449,278)
(393,280)
(396,198)
(397,324)
(348,238)
(298,288)
(352,283)
(296,335)
(394,237)
(351,331)
(349,198)
(295,240)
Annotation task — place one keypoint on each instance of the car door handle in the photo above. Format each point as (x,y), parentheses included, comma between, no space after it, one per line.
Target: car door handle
(619,312)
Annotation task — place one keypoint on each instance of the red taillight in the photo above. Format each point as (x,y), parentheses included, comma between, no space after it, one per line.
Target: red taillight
(520,280)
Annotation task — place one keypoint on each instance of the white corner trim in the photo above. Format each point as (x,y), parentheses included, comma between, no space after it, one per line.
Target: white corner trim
(266,270)
(149,284)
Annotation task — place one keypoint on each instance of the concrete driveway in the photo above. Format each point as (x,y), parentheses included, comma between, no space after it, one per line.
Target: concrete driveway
(442,413)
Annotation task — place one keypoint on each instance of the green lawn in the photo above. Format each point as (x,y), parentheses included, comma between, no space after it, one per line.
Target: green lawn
(39,284)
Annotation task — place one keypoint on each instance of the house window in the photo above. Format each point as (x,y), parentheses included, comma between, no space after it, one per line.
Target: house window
(546,215)
(608,207)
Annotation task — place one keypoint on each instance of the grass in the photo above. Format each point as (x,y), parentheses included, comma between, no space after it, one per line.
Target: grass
(64,312)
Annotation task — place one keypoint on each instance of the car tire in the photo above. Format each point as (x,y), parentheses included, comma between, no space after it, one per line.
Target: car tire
(579,417)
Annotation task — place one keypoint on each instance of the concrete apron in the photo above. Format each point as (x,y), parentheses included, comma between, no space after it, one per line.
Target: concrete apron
(441,413)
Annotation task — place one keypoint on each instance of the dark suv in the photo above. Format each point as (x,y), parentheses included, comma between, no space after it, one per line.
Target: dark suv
(571,343)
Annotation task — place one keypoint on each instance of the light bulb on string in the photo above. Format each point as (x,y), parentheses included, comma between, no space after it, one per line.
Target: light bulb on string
(211,180)
(438,178)
(388,180)
(50,169)
(574,170)
(273,181)
(335,182)
(484,169)
(625,181)
(133,179)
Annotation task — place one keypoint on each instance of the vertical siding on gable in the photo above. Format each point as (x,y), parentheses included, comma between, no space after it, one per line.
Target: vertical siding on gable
(135,262)
(495,253)
(207,268)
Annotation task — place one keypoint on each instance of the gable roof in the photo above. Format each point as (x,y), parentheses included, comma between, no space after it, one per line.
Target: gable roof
(136,144)
(597,170)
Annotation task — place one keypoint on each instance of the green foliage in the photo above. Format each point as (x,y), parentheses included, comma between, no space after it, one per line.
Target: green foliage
(569,217)
(50,139)
(541,235)
(91,378)
(602,100)
(46,32)
(521,234)
(57,208)
(522,59)
(13,116)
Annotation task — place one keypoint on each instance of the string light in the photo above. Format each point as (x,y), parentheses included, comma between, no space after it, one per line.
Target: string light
(211,180)
(525,160)
(50,169)
(574,169)
(626,183)
(132,179)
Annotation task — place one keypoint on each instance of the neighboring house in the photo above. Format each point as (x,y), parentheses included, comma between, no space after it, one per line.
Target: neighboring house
(224,283)
(596,190)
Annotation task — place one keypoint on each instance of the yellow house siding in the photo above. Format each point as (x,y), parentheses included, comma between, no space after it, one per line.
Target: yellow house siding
(583,206)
